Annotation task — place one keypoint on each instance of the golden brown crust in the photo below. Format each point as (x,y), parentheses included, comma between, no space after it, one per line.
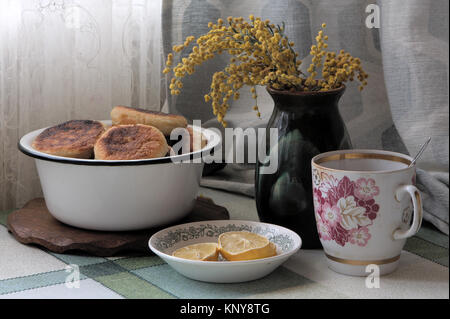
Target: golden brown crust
(130,142)
(74,138)
(121,115)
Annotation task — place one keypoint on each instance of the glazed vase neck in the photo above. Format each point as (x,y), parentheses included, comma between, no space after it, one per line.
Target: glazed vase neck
(298,101)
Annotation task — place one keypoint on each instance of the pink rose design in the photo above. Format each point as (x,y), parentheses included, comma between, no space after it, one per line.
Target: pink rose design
(323,229)
(371,207)
(318,201)
(366,189)
(345,209)
(344,188)
(331,214)
(329,183)
(359,236)
(316,197)
(339,234)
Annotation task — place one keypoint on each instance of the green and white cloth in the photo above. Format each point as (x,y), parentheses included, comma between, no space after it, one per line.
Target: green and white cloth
(31,272)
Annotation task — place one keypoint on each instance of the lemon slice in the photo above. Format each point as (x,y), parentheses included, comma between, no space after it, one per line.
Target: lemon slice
(242,245)
(203,251)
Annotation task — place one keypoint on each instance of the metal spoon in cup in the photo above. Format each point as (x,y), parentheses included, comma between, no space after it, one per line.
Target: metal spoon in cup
(424,146)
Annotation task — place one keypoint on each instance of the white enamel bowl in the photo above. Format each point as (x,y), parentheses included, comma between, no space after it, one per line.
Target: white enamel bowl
(166,241)
(119,195)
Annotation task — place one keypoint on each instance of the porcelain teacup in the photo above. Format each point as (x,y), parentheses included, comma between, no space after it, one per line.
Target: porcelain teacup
(366,206)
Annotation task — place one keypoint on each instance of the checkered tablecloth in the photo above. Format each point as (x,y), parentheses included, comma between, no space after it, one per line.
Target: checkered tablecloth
(31,272)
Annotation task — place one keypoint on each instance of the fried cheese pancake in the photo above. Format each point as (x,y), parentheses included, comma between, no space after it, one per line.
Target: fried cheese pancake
(130,142)
(121,115)
(75,138)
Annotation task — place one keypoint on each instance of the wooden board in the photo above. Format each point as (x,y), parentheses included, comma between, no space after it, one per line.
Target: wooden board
(33,224)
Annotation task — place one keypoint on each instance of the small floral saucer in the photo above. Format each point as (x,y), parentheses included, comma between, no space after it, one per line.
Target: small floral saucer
(164,242)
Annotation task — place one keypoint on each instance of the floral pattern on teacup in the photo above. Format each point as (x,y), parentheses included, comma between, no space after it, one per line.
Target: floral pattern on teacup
(344,208)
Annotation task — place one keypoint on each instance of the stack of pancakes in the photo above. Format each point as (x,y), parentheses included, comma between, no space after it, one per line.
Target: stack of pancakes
(134,134)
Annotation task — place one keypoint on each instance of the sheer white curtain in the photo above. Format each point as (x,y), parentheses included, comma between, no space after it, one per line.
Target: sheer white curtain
(70,59)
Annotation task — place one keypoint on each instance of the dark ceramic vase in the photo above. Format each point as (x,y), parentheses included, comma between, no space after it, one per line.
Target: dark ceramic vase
(309,123)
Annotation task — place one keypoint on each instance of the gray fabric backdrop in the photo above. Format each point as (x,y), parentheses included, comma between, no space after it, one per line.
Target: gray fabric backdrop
(406,99)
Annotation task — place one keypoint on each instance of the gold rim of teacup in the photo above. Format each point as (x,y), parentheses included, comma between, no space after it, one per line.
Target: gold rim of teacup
(362,262)
(361,154)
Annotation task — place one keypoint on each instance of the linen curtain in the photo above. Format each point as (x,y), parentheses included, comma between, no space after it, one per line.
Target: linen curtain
(61,60)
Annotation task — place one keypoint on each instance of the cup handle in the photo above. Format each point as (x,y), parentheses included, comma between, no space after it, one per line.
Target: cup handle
(413,192)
